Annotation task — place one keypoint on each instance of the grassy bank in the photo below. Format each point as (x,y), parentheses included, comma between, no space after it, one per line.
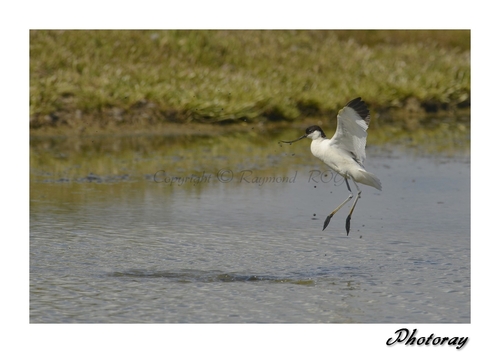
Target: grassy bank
(83,80)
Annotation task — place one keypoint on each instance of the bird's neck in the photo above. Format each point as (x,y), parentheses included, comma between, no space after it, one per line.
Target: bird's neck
(316,147)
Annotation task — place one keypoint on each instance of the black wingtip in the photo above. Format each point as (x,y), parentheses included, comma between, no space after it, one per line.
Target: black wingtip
(360,107)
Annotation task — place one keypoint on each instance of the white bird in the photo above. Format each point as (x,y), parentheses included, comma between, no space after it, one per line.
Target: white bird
(345,151)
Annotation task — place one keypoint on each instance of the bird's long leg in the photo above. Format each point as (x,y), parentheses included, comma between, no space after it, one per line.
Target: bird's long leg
(327,220)
(348,220)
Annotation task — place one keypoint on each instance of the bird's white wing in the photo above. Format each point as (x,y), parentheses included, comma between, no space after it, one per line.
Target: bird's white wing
(352,123)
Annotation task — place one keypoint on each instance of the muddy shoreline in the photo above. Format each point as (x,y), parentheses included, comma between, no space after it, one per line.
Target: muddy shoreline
(146,121)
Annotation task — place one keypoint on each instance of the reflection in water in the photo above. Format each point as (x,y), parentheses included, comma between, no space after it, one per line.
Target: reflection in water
(107,158)
(228,229)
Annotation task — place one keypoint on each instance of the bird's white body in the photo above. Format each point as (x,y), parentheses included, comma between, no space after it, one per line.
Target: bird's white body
(345,151)
(342,162)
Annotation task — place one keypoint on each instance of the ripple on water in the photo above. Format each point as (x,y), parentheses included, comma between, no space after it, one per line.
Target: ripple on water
(191,276)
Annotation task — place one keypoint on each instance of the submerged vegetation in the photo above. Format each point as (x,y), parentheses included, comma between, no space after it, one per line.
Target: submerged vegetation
(86,81)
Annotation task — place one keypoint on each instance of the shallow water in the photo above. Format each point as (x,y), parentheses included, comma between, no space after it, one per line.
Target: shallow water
(194,233)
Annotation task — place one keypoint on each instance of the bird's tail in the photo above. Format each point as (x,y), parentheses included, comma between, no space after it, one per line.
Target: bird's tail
(368,178)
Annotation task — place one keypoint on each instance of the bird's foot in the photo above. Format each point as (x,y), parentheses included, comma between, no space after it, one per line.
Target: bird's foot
(327,221)
(348,224)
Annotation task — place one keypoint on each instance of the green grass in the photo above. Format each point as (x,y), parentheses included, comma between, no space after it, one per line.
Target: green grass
(109,79)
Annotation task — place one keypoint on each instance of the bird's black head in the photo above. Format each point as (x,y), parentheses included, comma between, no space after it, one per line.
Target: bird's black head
(313,132)
(312,129)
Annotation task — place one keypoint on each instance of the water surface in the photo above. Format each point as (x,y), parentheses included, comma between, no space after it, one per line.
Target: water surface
(200,230)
